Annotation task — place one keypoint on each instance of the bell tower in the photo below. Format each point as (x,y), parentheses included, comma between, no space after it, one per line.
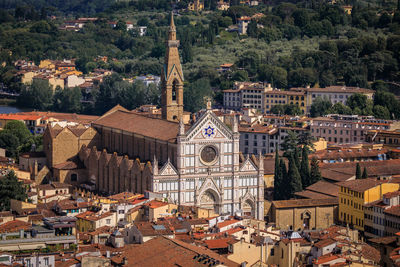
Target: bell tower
(172,78)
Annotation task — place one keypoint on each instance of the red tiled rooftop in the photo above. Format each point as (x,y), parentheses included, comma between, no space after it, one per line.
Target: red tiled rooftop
(324,243)
(325,259)
(227,222)
(14,226)
(92,216)
(218,243)
(155,204)
(162,251)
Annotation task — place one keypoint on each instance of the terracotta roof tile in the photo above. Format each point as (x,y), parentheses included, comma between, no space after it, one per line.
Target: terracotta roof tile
(219,243)
(311,195)
(292,203)
(92,216)
(14,226)
(162,251)
(227,222)
(362,185)
(395,210)
(155,204)
(326,188)
(344,170)
(324,243)
(139,124)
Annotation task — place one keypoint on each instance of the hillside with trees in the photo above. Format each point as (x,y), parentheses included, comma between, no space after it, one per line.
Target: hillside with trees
(289,45)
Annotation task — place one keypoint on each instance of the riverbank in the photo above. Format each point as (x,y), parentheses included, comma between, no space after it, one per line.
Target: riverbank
(7,102)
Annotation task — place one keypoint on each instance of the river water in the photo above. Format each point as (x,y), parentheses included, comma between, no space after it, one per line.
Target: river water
(11,109)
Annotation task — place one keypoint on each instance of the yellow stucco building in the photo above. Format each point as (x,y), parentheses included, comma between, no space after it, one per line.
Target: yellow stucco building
(281,97)
(355,193)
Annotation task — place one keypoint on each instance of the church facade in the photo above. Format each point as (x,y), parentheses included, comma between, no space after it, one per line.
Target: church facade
(197,164)
(208,172)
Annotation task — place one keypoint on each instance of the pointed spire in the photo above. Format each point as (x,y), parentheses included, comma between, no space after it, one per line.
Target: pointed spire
(172,28)
(181,127)
(155,165)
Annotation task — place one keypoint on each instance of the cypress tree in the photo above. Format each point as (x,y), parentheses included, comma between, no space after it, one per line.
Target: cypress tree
(358,171)
(296,156)
(304,168)
(365,173)
(277,177)
(283,189)
(294,178)
(315,174)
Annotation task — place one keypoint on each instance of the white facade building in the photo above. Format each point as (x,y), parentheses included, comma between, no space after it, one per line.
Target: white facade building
(208,172)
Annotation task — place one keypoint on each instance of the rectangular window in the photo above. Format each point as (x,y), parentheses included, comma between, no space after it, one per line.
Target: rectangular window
(189,149)
(189,184)
(189,162)
(228,194)
(227,208)
(228,159)
(228,147)
(189,196)
(228,182)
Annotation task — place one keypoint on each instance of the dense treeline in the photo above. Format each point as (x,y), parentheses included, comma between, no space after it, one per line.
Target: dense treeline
(355,50)
(111,92)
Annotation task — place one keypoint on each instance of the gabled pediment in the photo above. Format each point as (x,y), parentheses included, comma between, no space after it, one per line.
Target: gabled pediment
(247,197)
(248,165)
(168,169)
(208,184)
(209,127)
(174,69)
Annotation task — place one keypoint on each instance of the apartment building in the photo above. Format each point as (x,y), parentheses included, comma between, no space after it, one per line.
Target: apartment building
(382,217)
(18,235)
(264,139)
(355,194)
(347,129)
(246,95)
(386,137)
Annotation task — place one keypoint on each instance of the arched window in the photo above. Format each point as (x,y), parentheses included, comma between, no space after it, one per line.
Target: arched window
(74,177)
(174,88)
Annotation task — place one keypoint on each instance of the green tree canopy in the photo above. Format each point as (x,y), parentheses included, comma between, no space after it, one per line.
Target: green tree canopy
(358,171)
(305,168)
(38,95)
(194,94)
(11,188)
(365,173)
(315,174)
(293,178)
(320,107)
(67,100)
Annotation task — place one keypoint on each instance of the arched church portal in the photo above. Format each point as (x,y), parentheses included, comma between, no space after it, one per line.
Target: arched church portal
(210,200)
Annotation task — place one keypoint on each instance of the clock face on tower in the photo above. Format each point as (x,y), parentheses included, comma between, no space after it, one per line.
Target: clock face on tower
(208,154)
